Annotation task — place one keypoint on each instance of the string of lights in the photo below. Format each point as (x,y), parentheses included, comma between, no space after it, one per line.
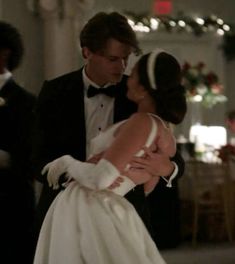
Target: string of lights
(198,26)
(180,23)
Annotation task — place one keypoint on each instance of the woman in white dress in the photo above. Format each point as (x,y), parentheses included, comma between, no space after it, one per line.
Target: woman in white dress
(90,221)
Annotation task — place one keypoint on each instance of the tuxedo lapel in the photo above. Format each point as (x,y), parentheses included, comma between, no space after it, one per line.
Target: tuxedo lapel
(75,92)
(79,104)
(75,106)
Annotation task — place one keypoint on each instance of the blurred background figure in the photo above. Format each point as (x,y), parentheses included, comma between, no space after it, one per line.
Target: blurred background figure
(228,151)
(16,186)
(230,120)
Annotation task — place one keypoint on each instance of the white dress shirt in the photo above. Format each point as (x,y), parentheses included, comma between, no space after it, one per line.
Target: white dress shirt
(4,78)
(98,111)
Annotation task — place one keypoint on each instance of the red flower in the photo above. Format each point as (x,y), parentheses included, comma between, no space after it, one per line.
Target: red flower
(186,67)
(226,151)
(200,66)
(211,78)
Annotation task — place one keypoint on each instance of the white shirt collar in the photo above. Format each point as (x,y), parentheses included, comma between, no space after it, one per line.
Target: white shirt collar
(4,78)
(88,81)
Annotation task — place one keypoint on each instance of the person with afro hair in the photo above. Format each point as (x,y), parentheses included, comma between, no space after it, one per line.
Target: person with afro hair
(16,188)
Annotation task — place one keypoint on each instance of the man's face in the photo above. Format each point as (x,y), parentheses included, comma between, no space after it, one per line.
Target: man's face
(108,66)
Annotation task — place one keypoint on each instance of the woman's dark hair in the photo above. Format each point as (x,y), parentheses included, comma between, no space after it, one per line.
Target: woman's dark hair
(102,27)
(169,94)
(11,39)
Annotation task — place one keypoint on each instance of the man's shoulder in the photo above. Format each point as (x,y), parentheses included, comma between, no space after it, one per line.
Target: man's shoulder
(71,76)
(20,92)
(63,84)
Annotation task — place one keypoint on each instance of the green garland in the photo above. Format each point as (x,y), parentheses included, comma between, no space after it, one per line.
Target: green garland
(181,23)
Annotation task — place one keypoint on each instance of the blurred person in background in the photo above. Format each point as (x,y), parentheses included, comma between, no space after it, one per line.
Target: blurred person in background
(228,151)
(16,184)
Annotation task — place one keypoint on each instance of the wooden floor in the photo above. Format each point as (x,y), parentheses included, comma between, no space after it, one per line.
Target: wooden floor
(221,253)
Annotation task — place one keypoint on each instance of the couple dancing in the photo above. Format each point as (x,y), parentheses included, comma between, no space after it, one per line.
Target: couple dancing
(90,221)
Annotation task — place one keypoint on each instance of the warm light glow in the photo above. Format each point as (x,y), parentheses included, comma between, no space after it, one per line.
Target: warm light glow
(214,136)
(131,22)
(181,23)
(172,23)
(196,98)
(141,27)
(200,21)
(154,23)
(226,27)
(197,25)
(220,32)
(220,21)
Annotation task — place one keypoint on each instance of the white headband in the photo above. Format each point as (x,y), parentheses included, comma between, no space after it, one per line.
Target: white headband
(150,67)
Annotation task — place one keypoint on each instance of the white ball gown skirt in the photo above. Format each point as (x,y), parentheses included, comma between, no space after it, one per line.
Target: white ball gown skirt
(84,226)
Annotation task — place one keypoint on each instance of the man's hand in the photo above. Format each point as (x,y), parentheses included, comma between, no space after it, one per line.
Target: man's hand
(155,164)
(150,185)
(138,175)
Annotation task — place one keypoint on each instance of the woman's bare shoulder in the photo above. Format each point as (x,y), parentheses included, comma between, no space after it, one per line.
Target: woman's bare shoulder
(139,118)
(139,121)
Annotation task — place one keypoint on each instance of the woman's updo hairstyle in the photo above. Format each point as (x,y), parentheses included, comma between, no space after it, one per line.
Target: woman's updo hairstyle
(160,73)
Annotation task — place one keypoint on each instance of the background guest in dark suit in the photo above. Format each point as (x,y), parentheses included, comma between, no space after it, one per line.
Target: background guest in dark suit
(74,108)
(16,185)
(227,152)
(230,120)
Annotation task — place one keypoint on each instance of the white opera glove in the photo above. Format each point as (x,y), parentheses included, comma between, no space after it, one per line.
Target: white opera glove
(94,176)
(56,168)
(126,186)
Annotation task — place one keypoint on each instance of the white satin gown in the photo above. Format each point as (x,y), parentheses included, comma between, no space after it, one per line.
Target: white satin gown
(83,226)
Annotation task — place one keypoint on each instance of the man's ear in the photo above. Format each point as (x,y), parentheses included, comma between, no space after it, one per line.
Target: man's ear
(86,52)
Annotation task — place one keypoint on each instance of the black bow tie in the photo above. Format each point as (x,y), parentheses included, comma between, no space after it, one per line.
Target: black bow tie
(109,91)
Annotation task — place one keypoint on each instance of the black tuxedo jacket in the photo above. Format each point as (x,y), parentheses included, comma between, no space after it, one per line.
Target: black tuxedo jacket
(16,181)
(16,118)
(60,129)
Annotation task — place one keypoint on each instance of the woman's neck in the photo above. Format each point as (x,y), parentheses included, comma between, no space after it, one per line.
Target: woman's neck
(146,106)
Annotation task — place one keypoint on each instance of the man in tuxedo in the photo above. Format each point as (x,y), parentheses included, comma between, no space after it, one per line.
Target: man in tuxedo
(16,188)
(74,108)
